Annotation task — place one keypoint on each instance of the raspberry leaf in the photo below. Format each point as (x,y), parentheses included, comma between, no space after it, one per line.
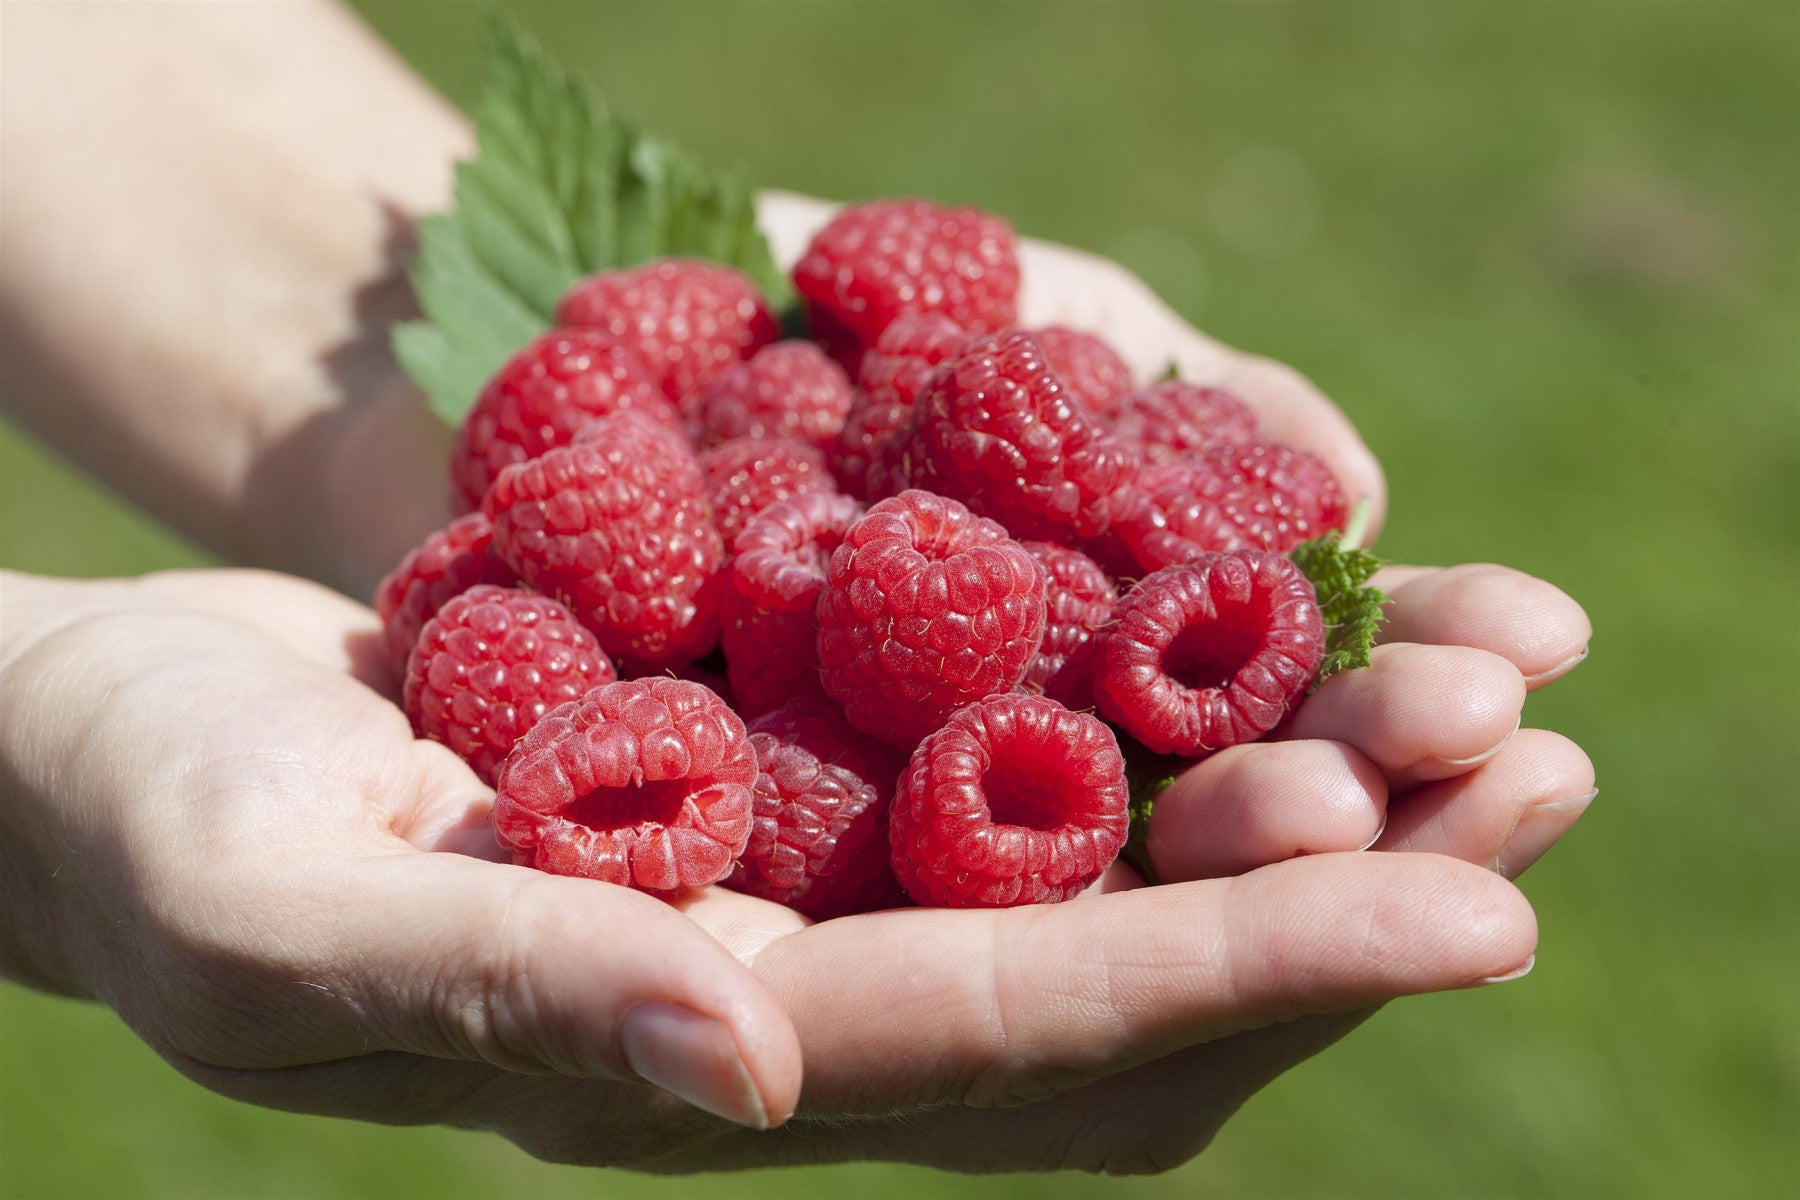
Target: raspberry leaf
(1339,572)
(560,187)
(1147,774)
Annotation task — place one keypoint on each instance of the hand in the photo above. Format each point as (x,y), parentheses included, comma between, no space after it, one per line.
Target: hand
(224,832)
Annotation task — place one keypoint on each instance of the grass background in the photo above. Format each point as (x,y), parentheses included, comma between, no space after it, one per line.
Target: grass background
(1546,255)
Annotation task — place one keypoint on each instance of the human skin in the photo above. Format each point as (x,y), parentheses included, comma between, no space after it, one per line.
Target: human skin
(217,824)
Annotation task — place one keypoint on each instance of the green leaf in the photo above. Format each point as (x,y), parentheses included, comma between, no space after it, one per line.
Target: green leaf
(1147,774)
(559,188)
(1352,611)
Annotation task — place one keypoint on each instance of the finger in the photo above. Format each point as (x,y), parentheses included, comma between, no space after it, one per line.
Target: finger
(449,957)
(1532,624)
(1507,813)
(1264,803)
(1419,712)
(995,1007)
(301,616)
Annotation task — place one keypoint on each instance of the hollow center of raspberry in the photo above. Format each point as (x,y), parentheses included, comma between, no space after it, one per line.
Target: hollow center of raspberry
(1026,792)
(656,802)
(1209,654)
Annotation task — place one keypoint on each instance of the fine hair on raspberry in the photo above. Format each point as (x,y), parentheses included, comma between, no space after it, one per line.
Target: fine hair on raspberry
(1016,800)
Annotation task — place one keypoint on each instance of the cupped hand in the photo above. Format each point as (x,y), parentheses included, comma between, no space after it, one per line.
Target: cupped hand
(228,835)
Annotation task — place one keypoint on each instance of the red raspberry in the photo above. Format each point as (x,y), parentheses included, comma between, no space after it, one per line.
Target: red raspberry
(926,607)
(745,477)
(819,841)
(875,262)
(1211,653)
(644,783)
(999,431)
(1079,599)
(1090,368)
(490,664)
(688,320)
(1016,800)
(449,563)
(769,631)
(1167,419)
(789,390)
(617,527)
(893,374)
(1261,494)
(539,400)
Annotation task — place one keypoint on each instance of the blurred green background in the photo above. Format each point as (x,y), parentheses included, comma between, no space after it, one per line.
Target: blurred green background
(1546,256)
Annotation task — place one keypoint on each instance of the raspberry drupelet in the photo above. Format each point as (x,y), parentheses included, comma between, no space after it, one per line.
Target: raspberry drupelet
(490,663)
(1209,654)
(819,842)
(926,607)
(1016,800)
(644,783)
(769,630)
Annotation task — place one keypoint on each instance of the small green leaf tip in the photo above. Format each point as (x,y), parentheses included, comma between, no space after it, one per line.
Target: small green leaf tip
(1339,572)
(559,188)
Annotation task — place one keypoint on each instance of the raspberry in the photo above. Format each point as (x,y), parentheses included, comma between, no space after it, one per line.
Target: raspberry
(688,320)
(819,840)
(745,477)
(788,390)
(449,563)
(875,262)
(1090,368)
(999,431)
(1211,653)
(893,373)
(645,783)
(926,607)
(618,528)
(769,632)
(1260,494)
(1167,419)
(490,664)
(539,400)
(1016,800)
(1079,599)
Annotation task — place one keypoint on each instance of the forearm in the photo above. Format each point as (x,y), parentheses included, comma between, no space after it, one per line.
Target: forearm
(208,213)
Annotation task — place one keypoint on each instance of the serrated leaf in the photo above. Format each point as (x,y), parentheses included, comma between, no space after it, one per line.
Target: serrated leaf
(1352,610)
(559,188)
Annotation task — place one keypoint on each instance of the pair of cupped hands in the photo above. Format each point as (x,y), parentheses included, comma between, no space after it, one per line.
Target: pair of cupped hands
(222,826)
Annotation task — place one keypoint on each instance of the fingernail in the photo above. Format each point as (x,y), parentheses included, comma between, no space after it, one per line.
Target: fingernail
(1478,759)
(1560,669)
(1518,972)
(1538,829)
(694,1057)
(1378,832)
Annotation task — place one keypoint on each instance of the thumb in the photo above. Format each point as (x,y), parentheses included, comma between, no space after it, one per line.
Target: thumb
(453,957)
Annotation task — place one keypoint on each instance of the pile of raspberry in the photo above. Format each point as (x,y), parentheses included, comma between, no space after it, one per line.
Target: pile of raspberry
(851,622)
